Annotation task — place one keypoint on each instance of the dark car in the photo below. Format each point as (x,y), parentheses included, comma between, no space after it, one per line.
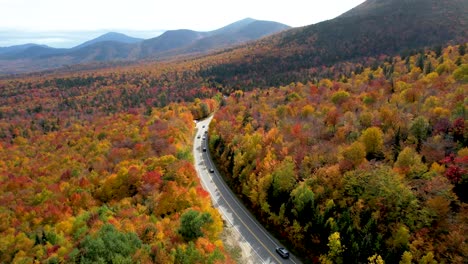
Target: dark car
(282,252)
(198,136)
(204,149)
(211,170)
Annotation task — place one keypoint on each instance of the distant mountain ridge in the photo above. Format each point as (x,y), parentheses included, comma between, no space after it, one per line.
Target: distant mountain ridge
(19,48)
(169,40)
(119,47)
(241,31)
(111,36)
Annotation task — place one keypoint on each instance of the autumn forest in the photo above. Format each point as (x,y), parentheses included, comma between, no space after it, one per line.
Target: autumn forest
(371,166)
(356,156)
(89,159)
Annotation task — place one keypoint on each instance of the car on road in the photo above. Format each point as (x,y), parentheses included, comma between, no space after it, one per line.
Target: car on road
(211,170)
(204,149)
(282,252)
(198,136)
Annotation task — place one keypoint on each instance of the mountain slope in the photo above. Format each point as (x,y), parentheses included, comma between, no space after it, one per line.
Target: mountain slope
(387,26)
(172,39)
(261,28)
(101,51)
(236,33)
(373,28)
(233,27)
(111,36)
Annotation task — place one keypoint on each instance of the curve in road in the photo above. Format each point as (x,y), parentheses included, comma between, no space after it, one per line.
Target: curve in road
(262,243)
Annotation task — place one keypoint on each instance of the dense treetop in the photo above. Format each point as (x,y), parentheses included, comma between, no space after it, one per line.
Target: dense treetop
(97,168)
(353,154)
(370,166)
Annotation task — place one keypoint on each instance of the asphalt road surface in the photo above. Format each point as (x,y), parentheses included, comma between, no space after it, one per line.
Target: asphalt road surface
(263,245)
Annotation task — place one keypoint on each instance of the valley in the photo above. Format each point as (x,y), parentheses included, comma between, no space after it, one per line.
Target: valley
(344,141)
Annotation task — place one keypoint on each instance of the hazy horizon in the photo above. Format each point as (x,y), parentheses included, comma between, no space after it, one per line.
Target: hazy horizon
(65,39)
(64,24)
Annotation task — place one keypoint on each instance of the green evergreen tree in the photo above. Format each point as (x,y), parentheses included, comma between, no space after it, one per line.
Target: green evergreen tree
(420,61)
(109,246)
(191,223)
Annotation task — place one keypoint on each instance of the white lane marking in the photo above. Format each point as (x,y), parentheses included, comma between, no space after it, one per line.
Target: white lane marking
(220,208)
(206,123)
(245,213)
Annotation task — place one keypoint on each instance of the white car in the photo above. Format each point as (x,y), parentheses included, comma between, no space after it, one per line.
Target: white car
(282,252)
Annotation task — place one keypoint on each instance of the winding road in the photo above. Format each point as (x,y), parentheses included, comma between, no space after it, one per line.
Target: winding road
(262,244)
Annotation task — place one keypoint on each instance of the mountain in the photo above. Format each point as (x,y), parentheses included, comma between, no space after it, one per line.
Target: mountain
(119,47)
(180,42)
(105,47)
(172,39)
(32,52)
(260,28)
(111,36)
(233,27)
(18,48)
(250,28)
(386,27)
(99,52)
(242,31)
(376,27)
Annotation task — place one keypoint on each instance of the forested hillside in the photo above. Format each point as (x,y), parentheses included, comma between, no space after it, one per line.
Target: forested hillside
(348,139)
(369,167)
(97,168)
(370,30)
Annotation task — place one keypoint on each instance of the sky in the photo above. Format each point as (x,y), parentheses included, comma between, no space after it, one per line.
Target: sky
(67,23)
